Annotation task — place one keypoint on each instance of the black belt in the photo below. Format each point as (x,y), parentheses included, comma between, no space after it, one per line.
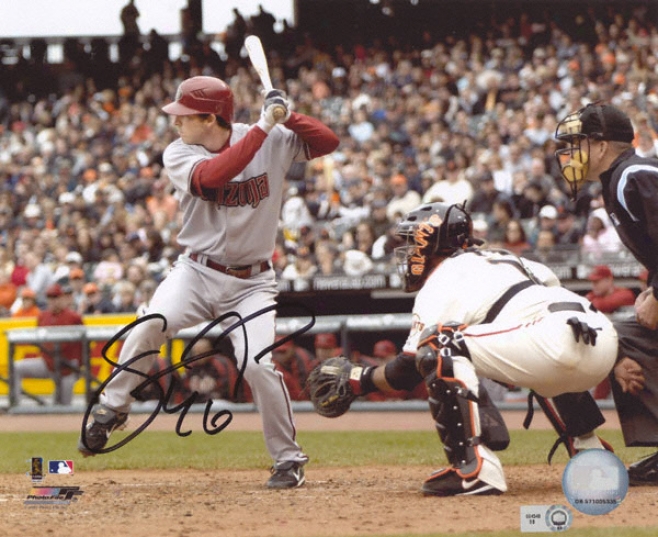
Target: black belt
(518,287)
(242,272)
(566,306)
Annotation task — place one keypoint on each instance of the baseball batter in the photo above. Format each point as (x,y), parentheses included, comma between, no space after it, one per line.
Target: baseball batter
(229,179)
(485,313)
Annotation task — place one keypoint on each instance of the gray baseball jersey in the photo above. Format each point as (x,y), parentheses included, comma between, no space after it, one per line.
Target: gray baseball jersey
(230,231)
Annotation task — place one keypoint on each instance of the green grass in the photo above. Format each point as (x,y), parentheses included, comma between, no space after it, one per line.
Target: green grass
(235,449)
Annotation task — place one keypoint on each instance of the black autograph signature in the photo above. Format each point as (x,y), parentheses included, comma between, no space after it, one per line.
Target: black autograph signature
(211,424)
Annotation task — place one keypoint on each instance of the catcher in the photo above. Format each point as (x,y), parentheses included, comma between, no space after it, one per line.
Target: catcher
(478,312)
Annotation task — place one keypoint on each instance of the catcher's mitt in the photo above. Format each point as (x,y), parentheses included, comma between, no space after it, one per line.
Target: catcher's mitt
(329,387)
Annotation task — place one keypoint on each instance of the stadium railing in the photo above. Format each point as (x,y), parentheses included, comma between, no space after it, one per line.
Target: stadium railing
(345,325)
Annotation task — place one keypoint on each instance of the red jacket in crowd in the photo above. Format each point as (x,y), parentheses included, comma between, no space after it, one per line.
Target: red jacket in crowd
(70,351)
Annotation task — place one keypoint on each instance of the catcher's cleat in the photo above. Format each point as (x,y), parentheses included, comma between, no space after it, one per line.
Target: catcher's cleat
(103,422)
(287,475)
(487,479)
(447,482)
(644,471)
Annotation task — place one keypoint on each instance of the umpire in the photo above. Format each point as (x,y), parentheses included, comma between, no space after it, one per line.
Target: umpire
(598,146)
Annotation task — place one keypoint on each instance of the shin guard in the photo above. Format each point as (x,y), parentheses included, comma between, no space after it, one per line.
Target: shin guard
(453,404)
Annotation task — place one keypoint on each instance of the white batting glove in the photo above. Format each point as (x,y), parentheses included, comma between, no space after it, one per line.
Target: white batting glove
(267,121)
(278,98)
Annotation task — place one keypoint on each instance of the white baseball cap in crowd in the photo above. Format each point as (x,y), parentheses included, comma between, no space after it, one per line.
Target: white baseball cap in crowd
(32,210)
(66,197)
(74,257)
(548,211)
(356,263)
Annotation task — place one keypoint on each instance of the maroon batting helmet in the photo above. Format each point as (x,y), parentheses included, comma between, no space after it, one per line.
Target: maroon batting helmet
(202,95)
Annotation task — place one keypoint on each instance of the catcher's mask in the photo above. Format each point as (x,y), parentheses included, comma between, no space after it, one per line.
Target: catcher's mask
(593,122)
(432,230)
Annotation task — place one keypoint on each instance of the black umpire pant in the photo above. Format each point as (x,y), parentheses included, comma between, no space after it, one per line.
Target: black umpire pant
(638,415)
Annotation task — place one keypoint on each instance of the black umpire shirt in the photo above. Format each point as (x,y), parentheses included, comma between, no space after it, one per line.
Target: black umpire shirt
(630,193)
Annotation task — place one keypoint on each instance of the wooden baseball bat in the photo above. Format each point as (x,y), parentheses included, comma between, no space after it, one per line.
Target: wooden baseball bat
(259,61)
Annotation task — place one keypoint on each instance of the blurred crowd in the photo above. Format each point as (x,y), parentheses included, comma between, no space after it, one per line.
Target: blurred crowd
(470,118)
(211,371)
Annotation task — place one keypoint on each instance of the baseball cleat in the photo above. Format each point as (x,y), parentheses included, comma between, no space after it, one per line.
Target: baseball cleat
(446,482)
(644,471)
(489,479)
(103,422)
(287,475)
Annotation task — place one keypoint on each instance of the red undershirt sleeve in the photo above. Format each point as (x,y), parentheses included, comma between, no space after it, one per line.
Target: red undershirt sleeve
(319,139)
(211,174)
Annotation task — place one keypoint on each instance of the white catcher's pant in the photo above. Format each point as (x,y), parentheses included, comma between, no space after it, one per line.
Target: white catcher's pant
(191,294)
(543,354)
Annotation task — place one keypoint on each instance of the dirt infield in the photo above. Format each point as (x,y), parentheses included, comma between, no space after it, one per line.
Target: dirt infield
(334,501)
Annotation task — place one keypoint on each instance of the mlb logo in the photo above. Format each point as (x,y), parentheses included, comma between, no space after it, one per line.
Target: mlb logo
(60,467)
